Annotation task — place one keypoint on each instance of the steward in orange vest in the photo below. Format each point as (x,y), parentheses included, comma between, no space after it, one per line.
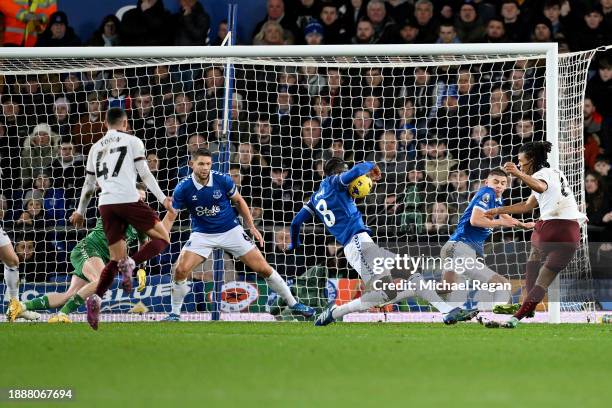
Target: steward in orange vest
(24,20)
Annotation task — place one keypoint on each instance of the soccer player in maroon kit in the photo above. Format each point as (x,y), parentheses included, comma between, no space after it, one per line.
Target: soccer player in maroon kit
(114,162)
(556,236)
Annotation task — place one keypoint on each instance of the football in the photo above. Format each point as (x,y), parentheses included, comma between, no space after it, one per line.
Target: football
(360,187)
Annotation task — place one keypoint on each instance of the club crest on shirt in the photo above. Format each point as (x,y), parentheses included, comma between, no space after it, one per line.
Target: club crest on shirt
(194,198)
(486,198)
(217,194)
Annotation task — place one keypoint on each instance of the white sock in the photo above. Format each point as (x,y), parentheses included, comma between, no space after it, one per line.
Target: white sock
(278,285)
(430,295)
(11,278)
(457,298)
(179,291)
(366,301)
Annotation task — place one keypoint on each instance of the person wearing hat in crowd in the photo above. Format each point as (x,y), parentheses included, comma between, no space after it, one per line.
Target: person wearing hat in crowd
(39,150)
(333,25)
(542,31)
(313,33)
(108,33)
(58,33)
(511,14)
(593,32)
(469,26)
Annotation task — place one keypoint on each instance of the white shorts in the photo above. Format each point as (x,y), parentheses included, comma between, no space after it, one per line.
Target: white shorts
(235,241)
(355,256)
(467,261)
(4,239)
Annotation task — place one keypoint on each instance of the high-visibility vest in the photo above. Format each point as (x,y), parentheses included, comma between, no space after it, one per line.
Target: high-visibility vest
(21,27)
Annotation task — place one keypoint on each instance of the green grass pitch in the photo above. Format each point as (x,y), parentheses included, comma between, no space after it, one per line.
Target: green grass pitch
(297,365)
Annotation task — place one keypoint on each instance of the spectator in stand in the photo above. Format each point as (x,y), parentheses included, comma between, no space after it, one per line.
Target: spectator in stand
(191,24)
(108,34)
(310,82)
(265,142)
(253,167)
(383,24)
(606,9)
(336,150)
(147,25)
(438,161)
(168,142)
(313,33)
(38,152)
(602,167)
(469,27)
(33,100)
(58,33)
(598,208)
(524,131)
(593,31)
(407,142)
(406,32)
(90,126)
(194,142)
(498,119)
(592,118)
(552,11)
(447,34)
(399,9)
(392,162)
(22,23)
(276,13)
(33,216)
(360,138)
(283,196)
(53,198)
(542,31)
(439,222)
(335,29)
(143,114)
(60,120)
(511,12)
(364,33)
(310,149)
(118,91)
(495,31)
(67,170)
(458,189)
(599,88)
(374,105)
(288,263)
(285,113)
(490,157)
(421,92)
(221,33)
(428,25)
(304,11)
(272,33)
(13,119)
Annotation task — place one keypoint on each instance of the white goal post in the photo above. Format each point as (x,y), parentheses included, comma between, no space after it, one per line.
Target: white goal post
(556,92)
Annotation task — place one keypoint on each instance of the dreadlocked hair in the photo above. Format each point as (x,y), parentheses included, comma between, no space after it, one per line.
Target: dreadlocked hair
(538,152)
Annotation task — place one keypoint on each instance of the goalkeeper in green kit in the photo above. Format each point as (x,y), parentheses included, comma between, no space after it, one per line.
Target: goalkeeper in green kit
(88,258)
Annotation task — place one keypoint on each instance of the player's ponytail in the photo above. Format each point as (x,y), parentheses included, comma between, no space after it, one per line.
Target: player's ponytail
(538,152)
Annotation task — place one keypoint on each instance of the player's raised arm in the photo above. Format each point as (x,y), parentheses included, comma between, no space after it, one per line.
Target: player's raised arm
(301,217)
(358,170)
(539,186)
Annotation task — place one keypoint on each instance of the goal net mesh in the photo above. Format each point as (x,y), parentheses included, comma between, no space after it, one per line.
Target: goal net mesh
(435,125)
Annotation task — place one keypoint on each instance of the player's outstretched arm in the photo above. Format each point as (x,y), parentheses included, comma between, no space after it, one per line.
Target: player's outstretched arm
(520,208)
(89,187)
(359,170)
(301,217)
(243,209)
(479,219)
(147,177)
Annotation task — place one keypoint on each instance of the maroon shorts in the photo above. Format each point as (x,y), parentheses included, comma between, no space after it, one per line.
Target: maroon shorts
(117,217)
(558,240)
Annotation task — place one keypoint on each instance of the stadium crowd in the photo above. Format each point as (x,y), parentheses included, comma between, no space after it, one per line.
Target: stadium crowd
(434,131)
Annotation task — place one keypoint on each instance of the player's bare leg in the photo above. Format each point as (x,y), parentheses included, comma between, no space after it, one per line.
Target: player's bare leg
(11,278)
(185,264)
(159,240)
(256,261)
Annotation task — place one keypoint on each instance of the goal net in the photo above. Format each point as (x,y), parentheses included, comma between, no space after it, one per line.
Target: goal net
(436,121)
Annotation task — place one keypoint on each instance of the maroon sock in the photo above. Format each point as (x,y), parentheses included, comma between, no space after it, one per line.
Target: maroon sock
(106,278)
(534,297)
(149,250)
(532,269)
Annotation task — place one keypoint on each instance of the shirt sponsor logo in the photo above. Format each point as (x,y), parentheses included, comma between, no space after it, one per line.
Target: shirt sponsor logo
(208,212)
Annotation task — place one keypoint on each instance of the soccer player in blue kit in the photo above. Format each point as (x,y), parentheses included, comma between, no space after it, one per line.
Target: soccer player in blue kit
(465,248)
(333,205)
(213,202)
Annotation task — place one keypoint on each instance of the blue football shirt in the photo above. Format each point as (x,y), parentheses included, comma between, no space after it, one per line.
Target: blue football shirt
(333,205)
(210,208)
(475,237)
